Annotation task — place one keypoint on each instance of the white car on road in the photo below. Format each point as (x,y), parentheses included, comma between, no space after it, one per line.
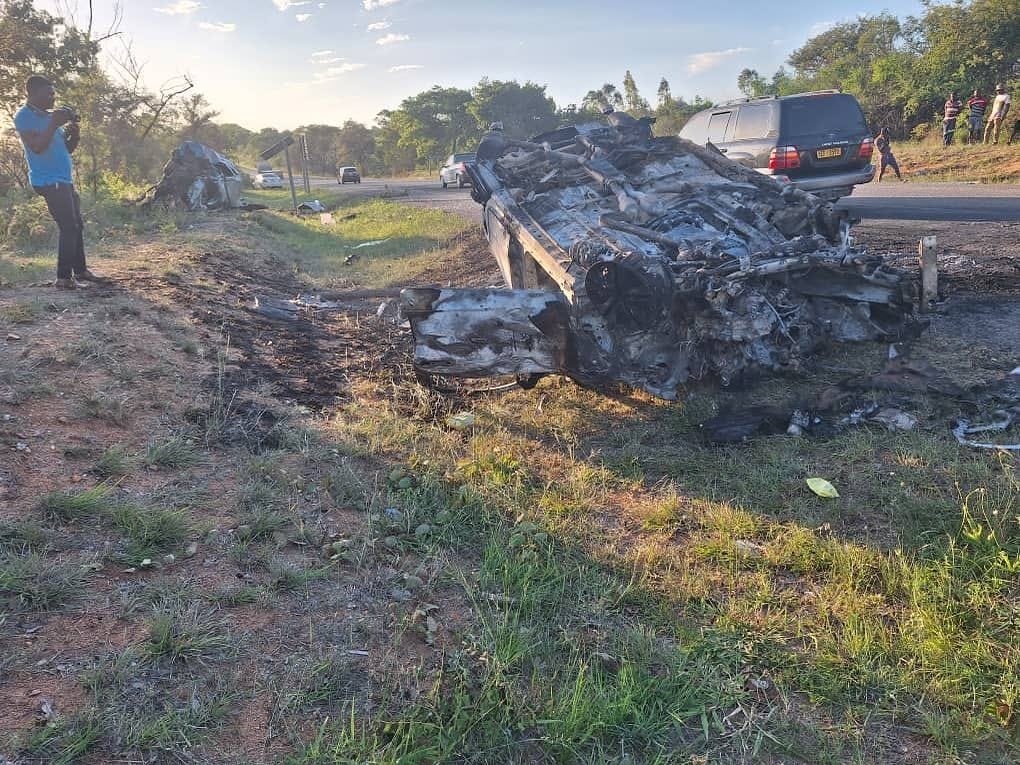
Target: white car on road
(453,171)
(267,181)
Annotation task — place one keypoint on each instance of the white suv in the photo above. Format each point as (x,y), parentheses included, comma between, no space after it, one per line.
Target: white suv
(453,171)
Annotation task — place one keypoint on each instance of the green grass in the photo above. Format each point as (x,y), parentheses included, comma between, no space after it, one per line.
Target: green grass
(106,407)
(114,462)
(24,312)
(23,535)
(149,531)
(63,741)
(930,162)
(171,454)
(35,583)
(74,505)
(898,598)
(182,633)
(318,250)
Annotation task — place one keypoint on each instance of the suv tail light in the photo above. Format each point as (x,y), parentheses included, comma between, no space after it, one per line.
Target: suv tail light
(784,158)
(867,149)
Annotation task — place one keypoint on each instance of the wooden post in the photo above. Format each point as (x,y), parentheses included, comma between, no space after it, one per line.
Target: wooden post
(929,273)
(290,177)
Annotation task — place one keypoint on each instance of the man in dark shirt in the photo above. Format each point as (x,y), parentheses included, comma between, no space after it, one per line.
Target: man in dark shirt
(976,105)
(951,111)
(49,136)
(886,158)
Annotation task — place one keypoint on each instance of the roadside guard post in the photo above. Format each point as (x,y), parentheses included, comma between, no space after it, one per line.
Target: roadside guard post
(276,148)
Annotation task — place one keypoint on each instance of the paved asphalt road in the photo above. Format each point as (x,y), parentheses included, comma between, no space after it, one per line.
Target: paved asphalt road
(935,201)
(872,201)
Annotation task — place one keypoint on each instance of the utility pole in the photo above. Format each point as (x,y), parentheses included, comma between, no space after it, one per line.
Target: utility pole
(305,159)
(283,145)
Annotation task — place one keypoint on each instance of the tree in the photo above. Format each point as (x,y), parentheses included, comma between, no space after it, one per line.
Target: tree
(196,118)
(395,156)
(607,95)
(525,110)
(752,84)
(435,123)
(672,115)
(665,94)
(322,153)
(355,145)
(636,105)
(36,42)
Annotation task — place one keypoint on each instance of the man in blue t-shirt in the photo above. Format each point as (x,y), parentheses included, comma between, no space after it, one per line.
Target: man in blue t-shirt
(49,136)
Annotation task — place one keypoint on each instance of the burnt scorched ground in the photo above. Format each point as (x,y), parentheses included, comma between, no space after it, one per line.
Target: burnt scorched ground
(261,313)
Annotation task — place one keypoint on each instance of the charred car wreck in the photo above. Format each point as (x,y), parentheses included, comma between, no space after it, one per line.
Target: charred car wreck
(649,262)
(197,178)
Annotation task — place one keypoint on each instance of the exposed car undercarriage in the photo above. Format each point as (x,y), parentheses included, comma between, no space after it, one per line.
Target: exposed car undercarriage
(650,262)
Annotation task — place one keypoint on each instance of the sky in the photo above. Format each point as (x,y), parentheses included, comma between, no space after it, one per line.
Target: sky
(285,63)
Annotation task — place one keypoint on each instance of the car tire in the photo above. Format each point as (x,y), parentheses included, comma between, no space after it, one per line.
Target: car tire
(444,184)
(460,182)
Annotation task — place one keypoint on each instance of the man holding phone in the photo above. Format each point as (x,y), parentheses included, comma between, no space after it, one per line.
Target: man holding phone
(50,136)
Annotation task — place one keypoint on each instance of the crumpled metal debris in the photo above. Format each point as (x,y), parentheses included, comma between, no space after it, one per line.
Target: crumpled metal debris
(650,262)
(999,403)
(198,178)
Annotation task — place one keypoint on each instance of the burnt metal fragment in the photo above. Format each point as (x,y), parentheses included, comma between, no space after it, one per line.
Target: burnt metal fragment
(650,262)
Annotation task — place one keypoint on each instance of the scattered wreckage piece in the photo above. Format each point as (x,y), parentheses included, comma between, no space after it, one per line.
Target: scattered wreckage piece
(650,262)
(197,178)
(1002,399)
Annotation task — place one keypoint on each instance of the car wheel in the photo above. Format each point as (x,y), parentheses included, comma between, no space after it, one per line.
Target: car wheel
(444,184)
(460,182)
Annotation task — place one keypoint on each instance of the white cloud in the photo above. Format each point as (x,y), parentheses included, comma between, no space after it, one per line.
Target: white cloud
(371,5)
(218,26)
(181,7)
(327,61)
(406,67)
(379,26)
(321,6)
(336,71)
(320,53)
(702,62)
(282,5)
(303,16)
(392,38)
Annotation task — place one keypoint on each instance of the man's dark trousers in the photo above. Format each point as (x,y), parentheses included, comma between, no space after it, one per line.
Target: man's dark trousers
(65,207)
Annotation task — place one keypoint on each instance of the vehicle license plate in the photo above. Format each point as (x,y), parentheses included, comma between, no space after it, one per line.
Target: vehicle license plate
(828,153)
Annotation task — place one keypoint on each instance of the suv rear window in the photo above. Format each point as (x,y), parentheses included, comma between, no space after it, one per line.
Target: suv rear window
(463,157)
(822,114)
(753,121)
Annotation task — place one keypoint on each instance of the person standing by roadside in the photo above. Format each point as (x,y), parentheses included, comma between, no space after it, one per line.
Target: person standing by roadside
(886,158)
(976,105)
(997,117)
(951,112)
(49,136)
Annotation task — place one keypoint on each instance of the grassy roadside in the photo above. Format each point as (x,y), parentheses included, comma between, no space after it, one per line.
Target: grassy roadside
(573,577)
(927,162)
(376,243)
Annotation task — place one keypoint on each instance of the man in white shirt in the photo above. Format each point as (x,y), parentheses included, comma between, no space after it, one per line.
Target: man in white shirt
(997,114)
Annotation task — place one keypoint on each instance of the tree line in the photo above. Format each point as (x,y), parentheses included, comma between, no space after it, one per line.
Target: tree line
(900,70)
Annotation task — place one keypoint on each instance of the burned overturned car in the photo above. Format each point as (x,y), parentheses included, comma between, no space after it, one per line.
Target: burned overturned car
(649,262)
